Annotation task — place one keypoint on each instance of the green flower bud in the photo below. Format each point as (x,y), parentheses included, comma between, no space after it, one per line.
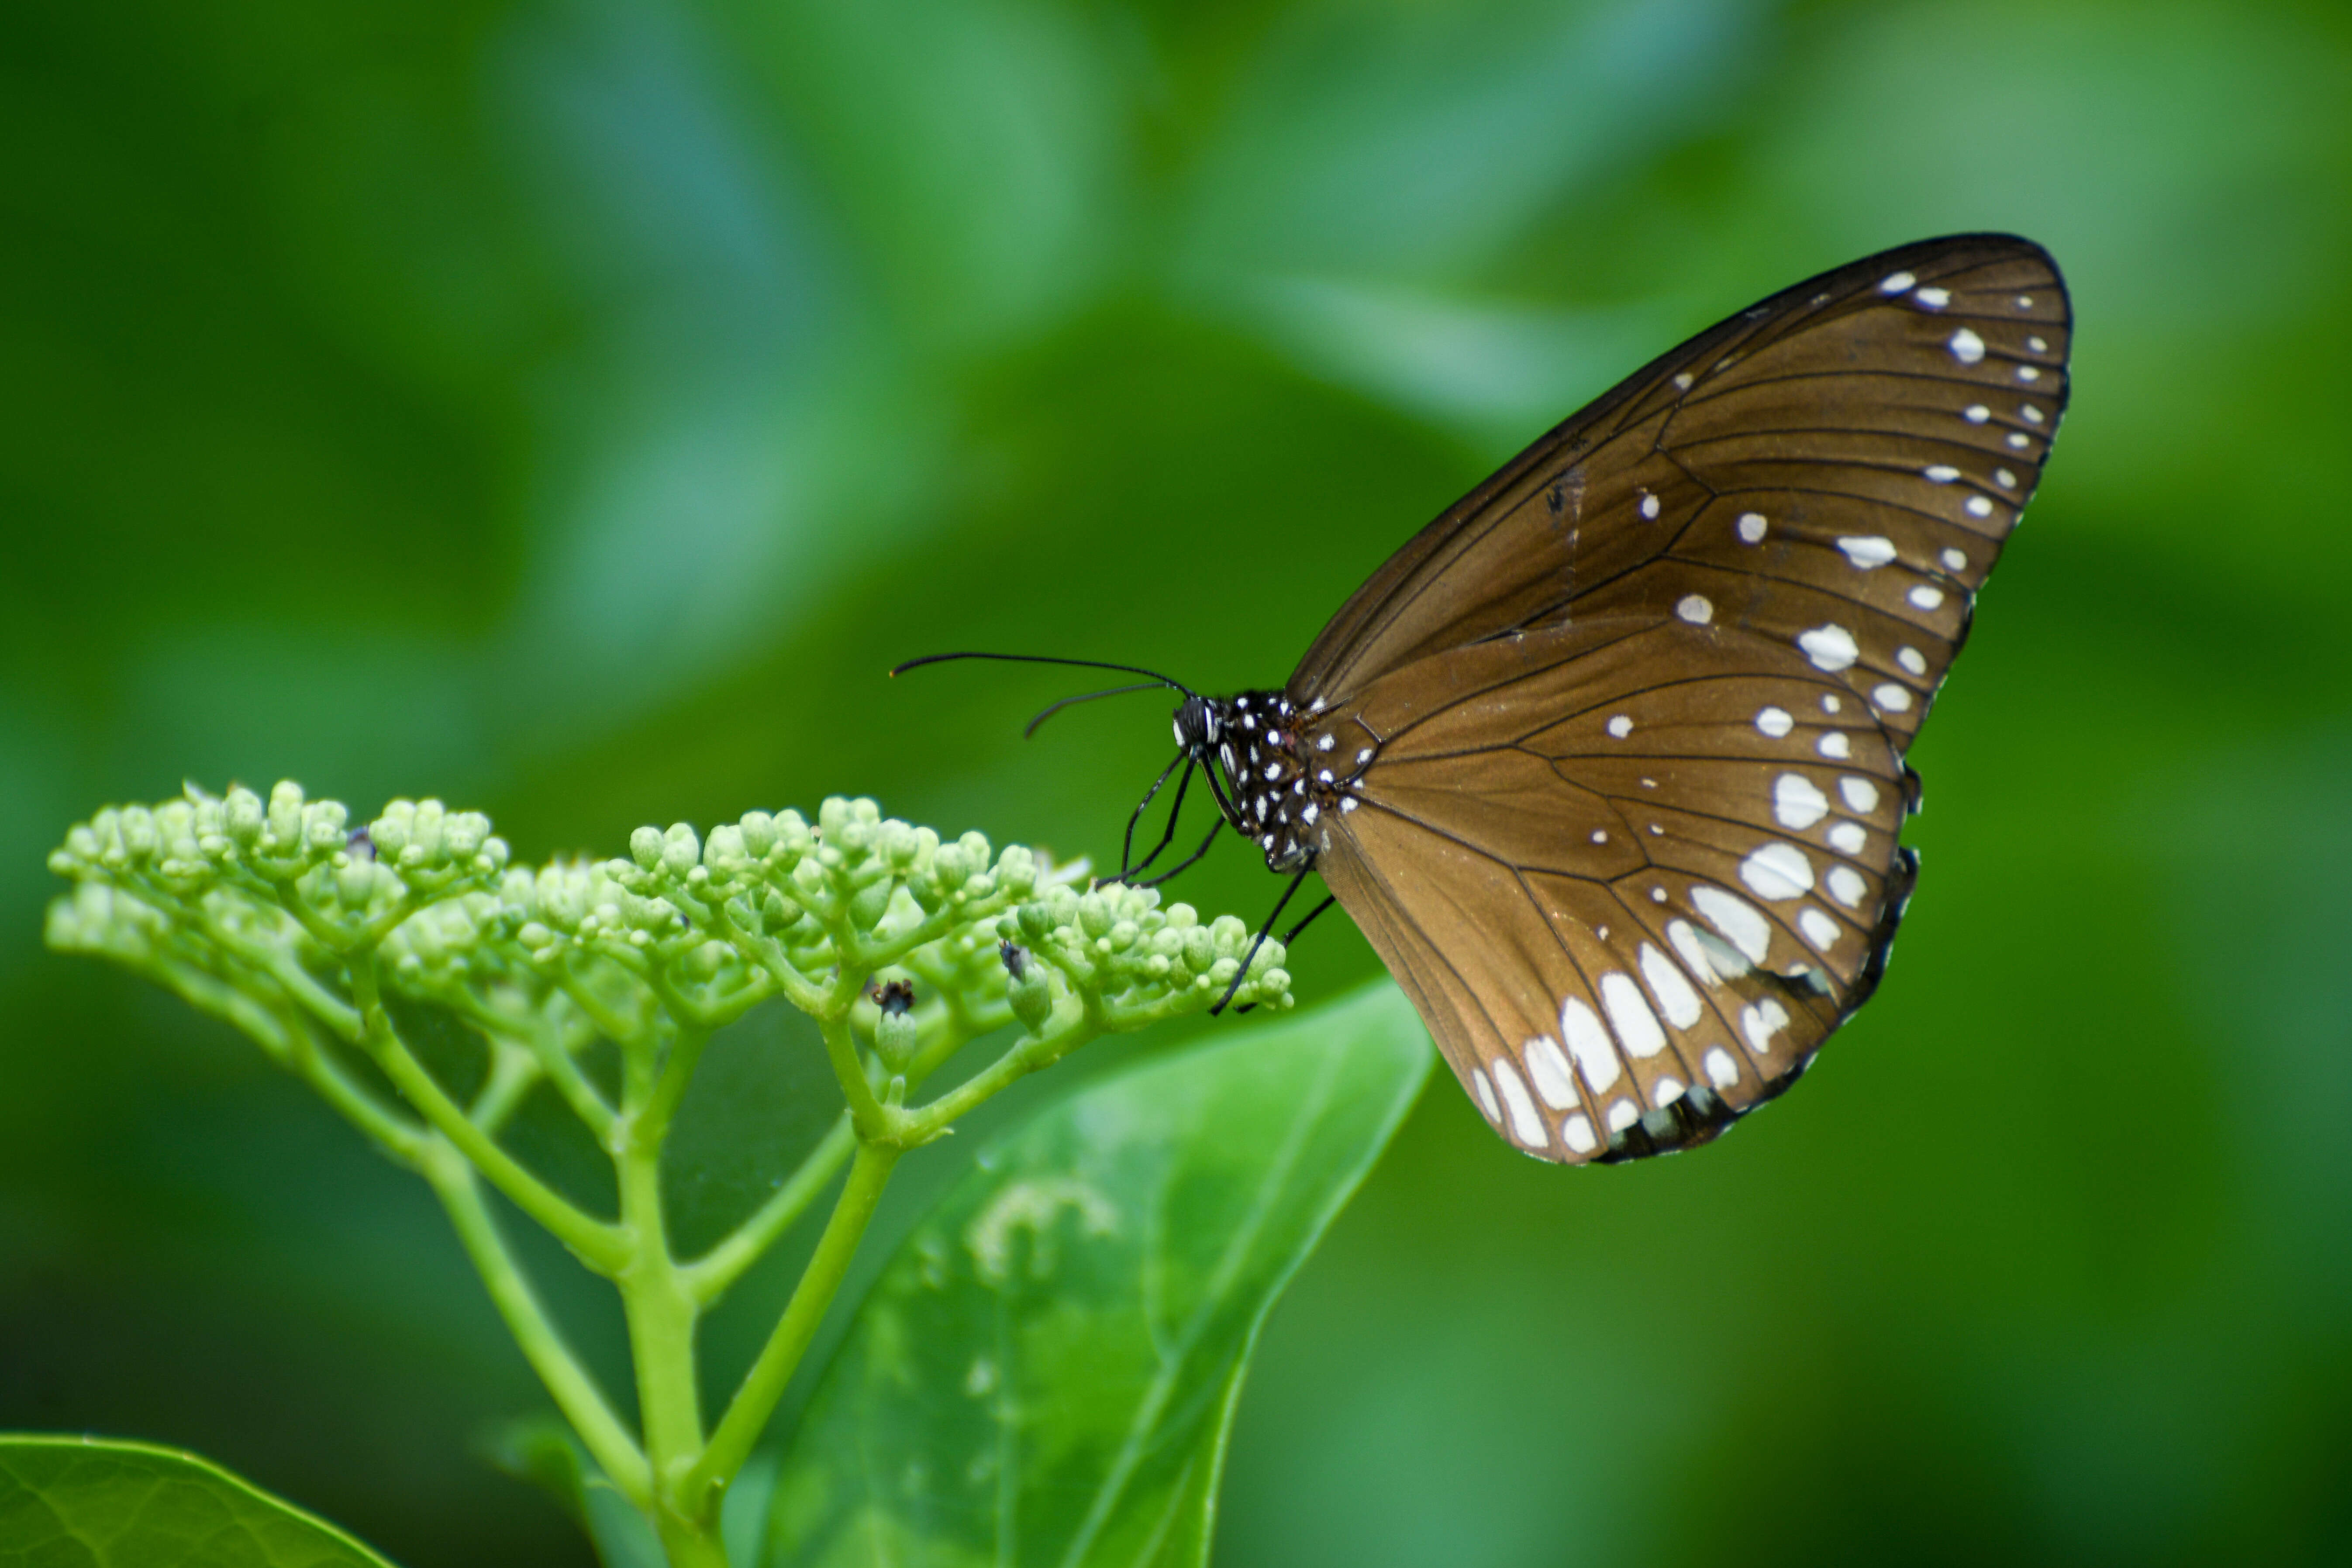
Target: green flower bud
(389,832)
(895,1037)
(1036,921)
(1017,871)
(139,834)
(949,866)
(355,882)
(463,834)
(646,847)
(869,904)
(326,823)
(758,830)
(1032,996)
(424,834)
(723,853)
(1200,949)
(1095,916)
(286,814)
(681,850)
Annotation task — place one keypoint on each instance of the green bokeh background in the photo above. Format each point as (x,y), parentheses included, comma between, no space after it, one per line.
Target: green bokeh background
(569,407)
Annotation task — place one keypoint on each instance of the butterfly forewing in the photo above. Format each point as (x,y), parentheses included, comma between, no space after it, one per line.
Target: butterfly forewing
(1627,725)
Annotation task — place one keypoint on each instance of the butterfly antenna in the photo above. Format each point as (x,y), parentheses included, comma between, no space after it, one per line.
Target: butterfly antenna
(1152,675)
(1085,696)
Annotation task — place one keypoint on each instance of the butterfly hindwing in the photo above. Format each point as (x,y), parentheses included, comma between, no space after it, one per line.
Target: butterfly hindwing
(1628,874)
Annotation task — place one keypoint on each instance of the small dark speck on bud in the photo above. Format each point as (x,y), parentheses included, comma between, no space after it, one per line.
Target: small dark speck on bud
(1016,959)
(893,996)
(359,846)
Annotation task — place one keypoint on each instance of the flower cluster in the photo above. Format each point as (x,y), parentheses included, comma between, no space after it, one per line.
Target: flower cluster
(770,902)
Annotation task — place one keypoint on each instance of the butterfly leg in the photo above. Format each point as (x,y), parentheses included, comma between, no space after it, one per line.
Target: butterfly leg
(1291,935)
(1259,940)
(1189,861)
(1128,865)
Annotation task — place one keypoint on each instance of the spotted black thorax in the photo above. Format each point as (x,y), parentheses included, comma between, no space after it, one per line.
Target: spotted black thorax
(1277,773)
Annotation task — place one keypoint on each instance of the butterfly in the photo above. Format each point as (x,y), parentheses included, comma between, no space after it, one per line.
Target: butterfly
(1607,761)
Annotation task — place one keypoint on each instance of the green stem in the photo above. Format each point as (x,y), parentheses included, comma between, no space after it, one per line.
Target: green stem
(604,1248)
(1066,1032)
(661,1313)
(763,1385)
(575,1393)
(711,1276)
(849,1067)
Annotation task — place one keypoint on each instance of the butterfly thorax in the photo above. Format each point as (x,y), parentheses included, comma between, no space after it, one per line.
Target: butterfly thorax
(1276,769)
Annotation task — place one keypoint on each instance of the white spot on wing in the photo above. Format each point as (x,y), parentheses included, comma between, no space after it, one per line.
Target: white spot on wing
(1895,282)
(1894,698)
(1797,803)
(1675,998)
(1622,1114)
(1577,1131)
(1752,526)
(1621,726)
(1526,1125)
(1721,1070)
(1548,1070)
(1966,347)
(1668,1092)
(1486,1093)
(1849,837)
(1588,1042)
(1847,886)
(1911,658)
(1649,505)
(1940,473)
(1743,925)
(1860,793)
(1978,506)
(1927,597)
(1819,928)
(1833,744)
(1934,298)
(1637,1027)
(1830,648)
(1976,414)
(1696,609)
(1867,550)
(1777,870)
(1774,721)
(1759,1021)
(1956,560)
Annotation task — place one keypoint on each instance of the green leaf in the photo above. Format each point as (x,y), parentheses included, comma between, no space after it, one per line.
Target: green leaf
(1046,1371)
(68,1502)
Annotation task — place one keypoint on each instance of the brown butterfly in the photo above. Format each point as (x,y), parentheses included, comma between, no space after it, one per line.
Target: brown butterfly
(1608,760)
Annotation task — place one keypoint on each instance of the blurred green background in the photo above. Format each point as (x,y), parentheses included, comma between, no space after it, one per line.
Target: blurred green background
(569,407)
